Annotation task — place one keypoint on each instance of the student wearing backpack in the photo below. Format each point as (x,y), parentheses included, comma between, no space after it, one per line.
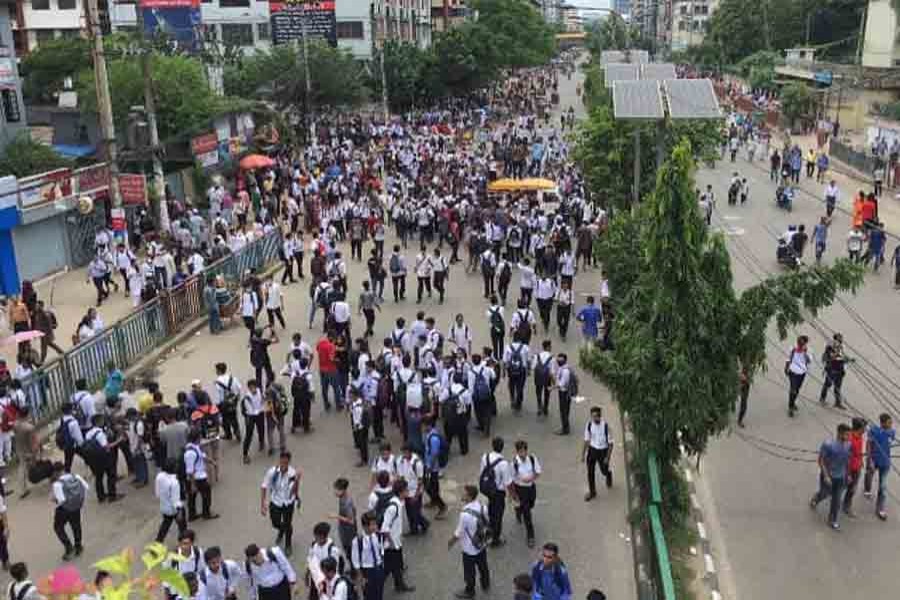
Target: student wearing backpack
(220,577)
(279,495)
(472,532)
(276,408)
(68,491)
(545,293)
(359,425)
(436,455)
(564,385)
(83,405)
(504,276)
(597,450)
(481,382)
(397,267)
(197,478)
(252,408)
(516,359)
(549,576)
(228,395)
(322,549)
(522,323)
(526,470)
(269,573)
(392,536)
(68,435)
(565,298)
(544,368)
(495,477)
(497,324)
(136,435)
(460,335)
(456,402)
(100,455)
(384,462)
(440,273)
(488,269)
(171,506)
(367,558)
(302,392)
(411,469)
(335,586)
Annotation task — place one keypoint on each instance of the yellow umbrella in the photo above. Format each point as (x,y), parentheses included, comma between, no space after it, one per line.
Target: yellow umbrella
(537,184)
(503,185)
(521,185)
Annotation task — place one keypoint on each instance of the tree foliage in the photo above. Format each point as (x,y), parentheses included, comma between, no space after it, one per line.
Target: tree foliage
(612,32)
(405,67)
(23,157)
(681,331)
(517,29)
(796,101)
(45,69)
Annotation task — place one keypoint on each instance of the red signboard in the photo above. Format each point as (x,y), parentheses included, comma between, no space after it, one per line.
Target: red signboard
(92,178)
(170,3)
(204,143)
(133,188)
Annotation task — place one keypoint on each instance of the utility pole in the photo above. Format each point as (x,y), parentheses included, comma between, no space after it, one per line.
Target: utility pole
(310,122)
(159,178)
(384,90)
(104,103)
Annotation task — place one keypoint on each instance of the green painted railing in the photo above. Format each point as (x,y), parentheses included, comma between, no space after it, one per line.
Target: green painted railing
(663,565)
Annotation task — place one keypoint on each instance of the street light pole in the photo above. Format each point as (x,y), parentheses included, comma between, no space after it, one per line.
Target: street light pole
(310,122)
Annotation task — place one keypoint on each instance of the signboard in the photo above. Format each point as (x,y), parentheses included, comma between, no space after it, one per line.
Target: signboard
(8,76)
(179,19)
(48,187)
(133,188)
(206,149)
(317,18)
(824,77)
(92,178)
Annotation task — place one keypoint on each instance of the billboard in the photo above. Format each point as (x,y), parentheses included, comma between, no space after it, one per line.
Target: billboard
(180,20)
(289,21)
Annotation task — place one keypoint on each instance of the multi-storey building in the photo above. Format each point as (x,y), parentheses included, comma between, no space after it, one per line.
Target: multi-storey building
(12,108)
(446,14)
(623,7)
(37,21)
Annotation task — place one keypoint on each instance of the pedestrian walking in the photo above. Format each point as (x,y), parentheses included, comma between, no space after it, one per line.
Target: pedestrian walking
(436,451)
(367,558)
(549,576)
(515,360)
(795,369)
(260,360)
(834,457)
(228,395)
(21,587)
(397,267)
(855,464)
(565,298)
(275,411)
(168,491)
(252,407)
(495,478)
(269,574)
(345,515)
(591,318)
(441,273)
(322,549)
(279,495)
(69,491)
(473,534)
(411,469)
(220,577)
(566,384)
(834,362)
(197,478)
(526,471)
(274,303)
(100,455)
(498,324)
(597,450)
(544,368)
(392,536)
(878,459)
(359,425)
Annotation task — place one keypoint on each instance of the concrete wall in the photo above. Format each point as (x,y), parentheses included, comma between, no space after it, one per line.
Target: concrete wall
(880,48)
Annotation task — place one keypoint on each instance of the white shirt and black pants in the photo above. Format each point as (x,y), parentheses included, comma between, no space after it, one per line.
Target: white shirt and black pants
(599,441)
(473,555)
(281,489)
(367,557)
(272,580)
(796,368)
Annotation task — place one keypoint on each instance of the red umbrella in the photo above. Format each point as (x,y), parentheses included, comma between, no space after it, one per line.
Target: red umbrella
(21,337)
(256,161)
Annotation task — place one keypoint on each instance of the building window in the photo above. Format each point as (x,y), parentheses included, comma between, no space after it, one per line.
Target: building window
(234,3)
(350,30)
(681,26)
(66,4)
(11,111)
(263,31)
(237,34)
(40,4)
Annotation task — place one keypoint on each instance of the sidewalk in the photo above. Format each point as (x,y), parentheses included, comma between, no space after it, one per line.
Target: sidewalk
(69,295)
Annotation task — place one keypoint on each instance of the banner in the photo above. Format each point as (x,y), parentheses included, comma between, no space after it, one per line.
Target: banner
(205,149)
(48,187)
(288,22)
(179,19)
(133,188)
(92,178)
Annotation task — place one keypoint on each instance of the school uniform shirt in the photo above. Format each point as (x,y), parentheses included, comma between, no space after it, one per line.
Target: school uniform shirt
(545,358)
(340,310)
(71,423)
(525,470)
(389,464)
(567,265)
(96,434)
(412,470)
(337,588)
(224,384)
(527,277)
(402,338)
(274,569)
(521,314)
(249,304)
(417,330)
(463,396)
(192,563)
(460,335)
(393,524)
(423,265)
(467,526)
(168,491)
(23,590)
(438,264)
(503,472)
(480,370)
(565,297)
(563,375)
(273,296)
(222,584)
(357,410)
(252,403)
(366,551)
(546,289)
(516,347)
(798,362)
(280,486)
(59,496)
(195,462)
(318,552)
(597,435)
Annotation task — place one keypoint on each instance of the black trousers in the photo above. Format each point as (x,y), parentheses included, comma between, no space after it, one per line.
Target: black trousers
(288,275)
(563,315)
(251,422)
(424,284)
(497,343)
(457,426)
(63,517)
(527,495)
(835,379)
(166,524)
(565,404)
(282,518)
(440,277)
(356,249)
(393,565)
(282,591)
(488,283)
(298,258)
(545,309)
(230,425)
(361,441)
(796,382)
(398,284)
(264,366)
(300,415)
(374,587)
(274,313)
(69,456)
(496,509)
(502,289)
(597,457)
(470,563)
(543,397)
(433,489)
(417,521)
(517,391)
(202,487)
(369,314)
(104,470)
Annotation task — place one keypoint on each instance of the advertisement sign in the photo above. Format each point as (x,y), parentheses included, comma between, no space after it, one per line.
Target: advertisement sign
(8,76)
(93,178)
(133,188)
(178,19)
(317,18)
(48,187)
(205,149)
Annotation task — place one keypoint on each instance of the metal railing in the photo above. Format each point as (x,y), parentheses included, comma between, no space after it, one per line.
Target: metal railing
(658,534)
(137,334)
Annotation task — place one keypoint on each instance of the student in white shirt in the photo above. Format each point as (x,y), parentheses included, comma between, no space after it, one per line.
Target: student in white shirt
(481,383)
(278,497)
(526,470)
(497,323)
(423,269)
(597,450)
(526,280)
(565,298)
(252,407)
(411,468)
(495,462)
(322,548)
(563,378)
(385,461)
(334,586)
(392,536)
(197,477)
(249,307)
(168,491)
(220,577)
(795,368)
(274,302)
(472,519)
(68,493)
(545,293)
(226,398)
(269,573)
(456,401)
(544,366)
(460,335)
(367,557)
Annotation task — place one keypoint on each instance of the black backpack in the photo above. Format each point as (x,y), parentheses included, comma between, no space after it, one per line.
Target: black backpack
(505,273)
(523,329)
(542,372)
(351,589)
(482,530)
(487,481)
(381,505)
(516,366)
(497,322)
(62,437)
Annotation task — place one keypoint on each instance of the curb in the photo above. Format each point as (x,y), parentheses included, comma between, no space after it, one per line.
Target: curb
(642,555)
(710,573)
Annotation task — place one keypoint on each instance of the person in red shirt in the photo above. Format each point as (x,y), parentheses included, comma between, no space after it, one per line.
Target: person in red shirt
(325,350)
(869,211)
(854,467)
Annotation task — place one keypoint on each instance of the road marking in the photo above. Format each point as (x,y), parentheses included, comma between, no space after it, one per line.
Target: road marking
(701,530)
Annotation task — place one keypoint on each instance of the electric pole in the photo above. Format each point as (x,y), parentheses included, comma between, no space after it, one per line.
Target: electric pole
(104,103)
(384,91)
(159,178)
(310,122)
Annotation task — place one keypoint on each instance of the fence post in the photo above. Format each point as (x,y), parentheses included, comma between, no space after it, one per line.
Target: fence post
(119,343)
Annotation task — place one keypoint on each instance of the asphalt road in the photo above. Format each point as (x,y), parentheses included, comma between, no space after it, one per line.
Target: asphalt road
(592,536)
(770,544)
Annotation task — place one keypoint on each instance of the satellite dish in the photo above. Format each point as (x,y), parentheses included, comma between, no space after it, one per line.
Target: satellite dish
(85,205)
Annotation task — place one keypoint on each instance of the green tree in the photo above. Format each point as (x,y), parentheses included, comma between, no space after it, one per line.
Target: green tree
(44,70)
(796,101)
(681,331)
(404,71)
(517,28)
(23,157)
